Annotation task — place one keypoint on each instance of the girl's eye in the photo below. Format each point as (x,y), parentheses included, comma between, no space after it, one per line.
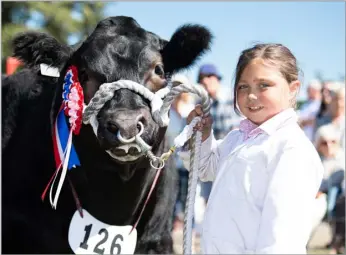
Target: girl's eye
(264,85)
(242,86)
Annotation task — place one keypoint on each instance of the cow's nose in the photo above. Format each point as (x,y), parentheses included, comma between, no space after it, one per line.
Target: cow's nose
(126,126)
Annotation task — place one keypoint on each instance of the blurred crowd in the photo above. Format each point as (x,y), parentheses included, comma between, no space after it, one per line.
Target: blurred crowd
(321,117)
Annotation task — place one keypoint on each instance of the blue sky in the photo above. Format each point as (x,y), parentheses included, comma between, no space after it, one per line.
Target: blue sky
(314,31)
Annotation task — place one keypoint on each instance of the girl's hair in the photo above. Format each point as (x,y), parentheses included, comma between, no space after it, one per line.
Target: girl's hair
(275,54)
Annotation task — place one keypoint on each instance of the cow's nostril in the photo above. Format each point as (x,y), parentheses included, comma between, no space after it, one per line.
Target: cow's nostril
(143,120)
(138,128)
(112,127)
(140,124)
(133,151)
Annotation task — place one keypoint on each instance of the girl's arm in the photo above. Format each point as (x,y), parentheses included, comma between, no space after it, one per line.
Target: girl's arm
(287,214)
(212,153)
(209,156)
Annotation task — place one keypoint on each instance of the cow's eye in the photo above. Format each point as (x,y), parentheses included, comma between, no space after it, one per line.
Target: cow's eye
(159,70)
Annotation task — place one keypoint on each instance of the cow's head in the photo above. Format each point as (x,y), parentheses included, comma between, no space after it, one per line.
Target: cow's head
(119,49)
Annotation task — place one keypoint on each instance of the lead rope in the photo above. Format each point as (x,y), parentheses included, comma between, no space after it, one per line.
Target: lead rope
(195,153)
(160,104)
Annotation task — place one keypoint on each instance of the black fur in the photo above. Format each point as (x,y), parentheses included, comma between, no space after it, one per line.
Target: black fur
(110,190)
(34,48)
(185,47)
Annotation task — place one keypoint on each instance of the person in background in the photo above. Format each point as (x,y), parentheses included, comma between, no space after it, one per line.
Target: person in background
(336,113)
(225,118)
(308,112)
(333,184)
(333,159)
(325,100)
(180,108)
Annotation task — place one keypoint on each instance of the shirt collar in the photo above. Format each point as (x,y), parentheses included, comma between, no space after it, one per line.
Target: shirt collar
(248,128)
(279,120)
(270,126)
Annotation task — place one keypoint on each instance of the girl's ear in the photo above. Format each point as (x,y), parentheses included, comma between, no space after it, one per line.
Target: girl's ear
(294,89)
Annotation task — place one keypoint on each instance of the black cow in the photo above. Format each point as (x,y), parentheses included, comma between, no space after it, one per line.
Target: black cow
(111,187)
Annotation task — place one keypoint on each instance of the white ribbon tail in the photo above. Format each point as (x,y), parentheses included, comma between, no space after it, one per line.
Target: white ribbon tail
(51,187)
(64,170)
(56,175)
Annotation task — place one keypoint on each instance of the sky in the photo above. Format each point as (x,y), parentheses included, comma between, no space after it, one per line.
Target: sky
(313,31)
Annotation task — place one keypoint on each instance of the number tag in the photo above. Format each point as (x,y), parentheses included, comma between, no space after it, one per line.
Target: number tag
(88,235)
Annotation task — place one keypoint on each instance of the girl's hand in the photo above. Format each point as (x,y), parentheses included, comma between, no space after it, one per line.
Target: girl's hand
(205,125)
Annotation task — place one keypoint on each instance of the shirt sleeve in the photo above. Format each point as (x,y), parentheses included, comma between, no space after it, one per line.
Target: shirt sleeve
(286,221)
(208,159)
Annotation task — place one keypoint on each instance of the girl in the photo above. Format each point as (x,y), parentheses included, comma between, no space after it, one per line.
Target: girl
(266,173)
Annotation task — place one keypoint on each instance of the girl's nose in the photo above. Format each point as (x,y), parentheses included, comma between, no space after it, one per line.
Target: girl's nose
(252,96)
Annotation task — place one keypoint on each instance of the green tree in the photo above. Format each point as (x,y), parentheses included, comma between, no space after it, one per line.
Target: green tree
(60,19)
(91,14)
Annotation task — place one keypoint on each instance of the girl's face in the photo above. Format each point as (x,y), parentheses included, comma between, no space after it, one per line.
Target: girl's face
(262,91)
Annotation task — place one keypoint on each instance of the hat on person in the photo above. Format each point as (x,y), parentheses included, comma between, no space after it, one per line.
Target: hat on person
(208,70)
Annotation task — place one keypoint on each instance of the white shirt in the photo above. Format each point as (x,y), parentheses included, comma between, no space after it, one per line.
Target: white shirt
(264,189)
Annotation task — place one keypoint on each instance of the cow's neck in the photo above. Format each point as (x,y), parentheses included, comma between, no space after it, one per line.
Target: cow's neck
(107,194)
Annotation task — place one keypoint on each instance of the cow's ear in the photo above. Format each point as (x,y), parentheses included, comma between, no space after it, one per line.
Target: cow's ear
(187,44)
(35,48)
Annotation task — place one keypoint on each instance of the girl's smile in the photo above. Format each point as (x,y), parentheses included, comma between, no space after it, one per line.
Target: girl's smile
(255,108)
(263,92)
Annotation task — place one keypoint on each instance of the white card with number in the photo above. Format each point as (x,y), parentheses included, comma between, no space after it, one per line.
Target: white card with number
(88,235)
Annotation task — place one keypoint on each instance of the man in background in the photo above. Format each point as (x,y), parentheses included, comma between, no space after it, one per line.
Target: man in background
(309,110)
